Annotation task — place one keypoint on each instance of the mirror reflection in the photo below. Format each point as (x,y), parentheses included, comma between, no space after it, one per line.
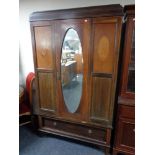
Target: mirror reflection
(72,70)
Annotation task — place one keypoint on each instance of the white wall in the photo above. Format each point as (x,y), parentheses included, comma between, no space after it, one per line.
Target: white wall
(26,7)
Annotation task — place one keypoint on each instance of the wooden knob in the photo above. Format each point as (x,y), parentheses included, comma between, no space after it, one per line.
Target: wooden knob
(89,131)
(54,123)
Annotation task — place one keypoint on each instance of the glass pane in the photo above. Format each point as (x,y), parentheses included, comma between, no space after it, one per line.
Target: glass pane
(72,70)
(131,69)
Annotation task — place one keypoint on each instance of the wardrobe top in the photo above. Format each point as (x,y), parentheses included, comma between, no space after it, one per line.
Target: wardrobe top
(84,12)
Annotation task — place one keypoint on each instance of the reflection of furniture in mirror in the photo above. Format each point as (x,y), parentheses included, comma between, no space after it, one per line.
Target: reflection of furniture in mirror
(68,72)
(78,58)
(125,126)
(83,108)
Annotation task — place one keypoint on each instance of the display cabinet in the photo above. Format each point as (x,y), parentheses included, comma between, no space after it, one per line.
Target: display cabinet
(124,142)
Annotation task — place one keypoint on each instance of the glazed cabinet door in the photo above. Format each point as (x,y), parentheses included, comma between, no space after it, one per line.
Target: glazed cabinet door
(104,63)
(128,69)
(44,62)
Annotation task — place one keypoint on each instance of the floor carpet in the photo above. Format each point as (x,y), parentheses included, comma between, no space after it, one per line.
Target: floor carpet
(32,143)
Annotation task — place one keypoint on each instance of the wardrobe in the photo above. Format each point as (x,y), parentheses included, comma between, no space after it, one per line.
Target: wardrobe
(76,53)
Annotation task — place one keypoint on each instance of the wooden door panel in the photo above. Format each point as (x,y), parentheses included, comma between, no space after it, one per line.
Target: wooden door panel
(46,86)
(101,89)
(104,65)
(104,43)
(44,47)
(82,27)
(126,134)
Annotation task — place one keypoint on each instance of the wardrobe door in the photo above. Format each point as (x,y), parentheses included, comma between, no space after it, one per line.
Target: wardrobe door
(104,61)
(72,46)
(44,62)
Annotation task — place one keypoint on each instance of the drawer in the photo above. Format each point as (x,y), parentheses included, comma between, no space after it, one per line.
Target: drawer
(126,111)
(75,129)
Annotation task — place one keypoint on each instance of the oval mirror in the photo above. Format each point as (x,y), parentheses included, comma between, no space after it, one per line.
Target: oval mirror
(72,70)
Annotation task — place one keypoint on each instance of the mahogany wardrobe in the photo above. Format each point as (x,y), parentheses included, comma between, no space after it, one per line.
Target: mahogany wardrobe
(76,53)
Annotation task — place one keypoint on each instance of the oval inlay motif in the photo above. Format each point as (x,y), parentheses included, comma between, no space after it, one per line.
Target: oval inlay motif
(103,48)
(71,70)
(43,52)
(44,47)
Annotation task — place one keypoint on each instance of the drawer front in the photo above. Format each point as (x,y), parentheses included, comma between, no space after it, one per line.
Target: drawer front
(75,129)
(127,111)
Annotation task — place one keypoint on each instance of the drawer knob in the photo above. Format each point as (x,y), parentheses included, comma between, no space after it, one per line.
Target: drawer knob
(133,130)
(90,131)
(54,123)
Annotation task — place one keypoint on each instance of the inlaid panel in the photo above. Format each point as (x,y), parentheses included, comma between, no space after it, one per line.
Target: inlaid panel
(104,43)
(46,91)
(101,89)
(44,50)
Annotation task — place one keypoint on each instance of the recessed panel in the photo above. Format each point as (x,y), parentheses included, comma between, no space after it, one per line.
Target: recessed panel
(101,90)
(44,51)
(46,91)
(104,40)
(72,70)
(128,134)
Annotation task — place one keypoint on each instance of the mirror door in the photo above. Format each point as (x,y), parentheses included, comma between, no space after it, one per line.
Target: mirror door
(73,68)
